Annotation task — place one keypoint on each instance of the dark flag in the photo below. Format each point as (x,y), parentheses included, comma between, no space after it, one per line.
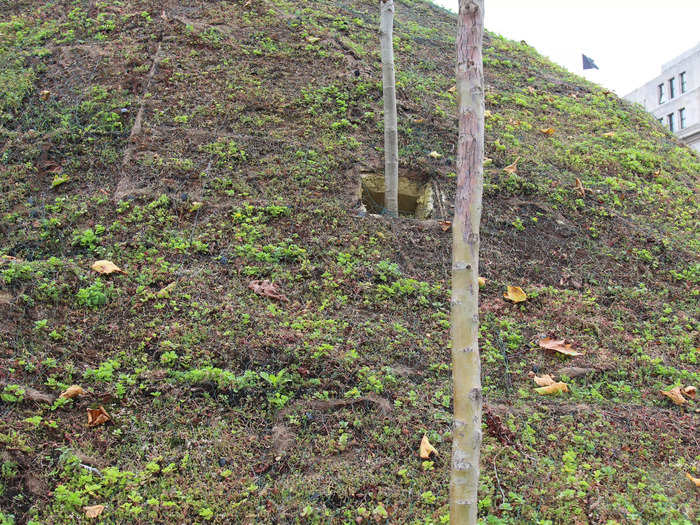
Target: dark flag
(588,63)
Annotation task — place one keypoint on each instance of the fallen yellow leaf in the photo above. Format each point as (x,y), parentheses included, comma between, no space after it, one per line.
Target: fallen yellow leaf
(675,395)
(544,380)
(44,94)
(515,294)
(513,168)
(482,282)
(435,155)
(690,391)
(554,388)
(695,481)
(609,134)
(452,89)
(312,39)
(548,131)
(72,391)
(97,416)
(578,186)
(445,225)
(93,511)
(558,345)
(106,267)
(426,448)
(488,113)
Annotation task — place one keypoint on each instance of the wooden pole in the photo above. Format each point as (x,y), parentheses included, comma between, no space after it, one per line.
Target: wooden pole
(466,364)
(391,140)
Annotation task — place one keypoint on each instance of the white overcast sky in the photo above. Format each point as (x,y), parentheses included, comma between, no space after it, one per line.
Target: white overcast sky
(629,40)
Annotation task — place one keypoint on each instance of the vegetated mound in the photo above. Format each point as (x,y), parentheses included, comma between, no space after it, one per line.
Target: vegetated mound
(206,147)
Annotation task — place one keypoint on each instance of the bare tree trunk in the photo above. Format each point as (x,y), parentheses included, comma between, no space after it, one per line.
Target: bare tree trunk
(466,364)
(391,140)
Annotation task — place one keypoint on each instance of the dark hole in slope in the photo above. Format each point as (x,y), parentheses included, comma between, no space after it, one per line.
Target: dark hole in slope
(415,199)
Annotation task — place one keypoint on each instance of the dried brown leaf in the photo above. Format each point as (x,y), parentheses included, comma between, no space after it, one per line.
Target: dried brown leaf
(268,289)
(578,186)
(37,397)
(544,380)
(694,481)
(72,391)
(93,511)
(97,416)
(554,388)
(547,131)
(690,391)
(574,371)
(329,404)
(445,225)
(515,294)
(513,168)
(106,267)
(33,395)
(426,448)
(558,345)
(675,395)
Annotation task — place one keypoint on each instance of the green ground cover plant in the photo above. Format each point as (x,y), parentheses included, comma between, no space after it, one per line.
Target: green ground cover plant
(227,406)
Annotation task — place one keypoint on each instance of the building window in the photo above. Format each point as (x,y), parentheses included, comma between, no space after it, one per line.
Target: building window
(671,87)
(683,85)
(681,117)
(671,123)
(661,93)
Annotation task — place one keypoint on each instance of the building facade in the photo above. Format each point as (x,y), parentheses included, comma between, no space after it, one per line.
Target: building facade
(674,97)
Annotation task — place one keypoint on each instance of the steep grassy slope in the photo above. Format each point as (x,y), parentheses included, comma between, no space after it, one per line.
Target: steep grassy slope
(200,145)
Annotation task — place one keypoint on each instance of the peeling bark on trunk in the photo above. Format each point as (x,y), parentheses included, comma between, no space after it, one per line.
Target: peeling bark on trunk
(391,141)
(466,370)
